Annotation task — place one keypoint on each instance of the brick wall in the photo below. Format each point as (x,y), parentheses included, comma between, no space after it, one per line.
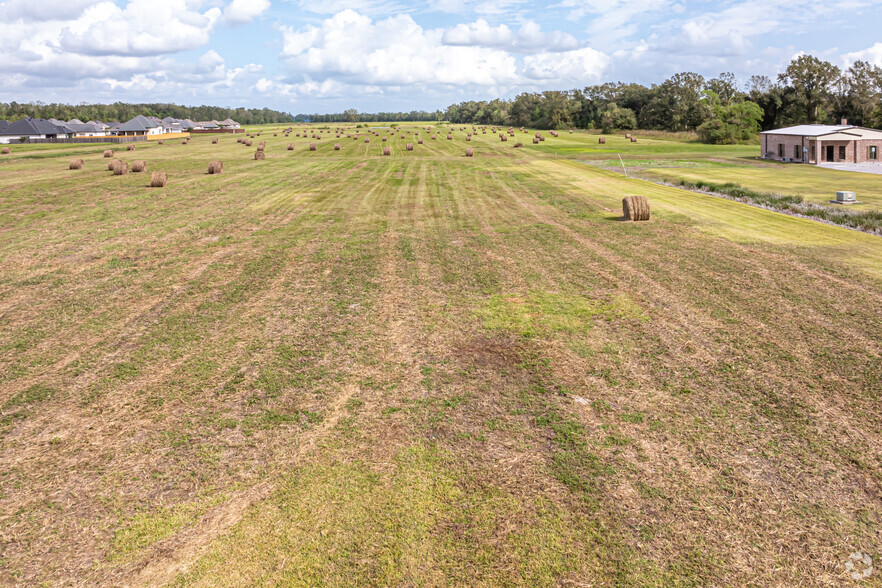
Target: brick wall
(771,144)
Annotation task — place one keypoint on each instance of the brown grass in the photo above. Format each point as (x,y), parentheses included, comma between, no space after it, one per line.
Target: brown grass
(159,180)
(76,164)
(108,153)
(216,167)
(139,166)
(635,208)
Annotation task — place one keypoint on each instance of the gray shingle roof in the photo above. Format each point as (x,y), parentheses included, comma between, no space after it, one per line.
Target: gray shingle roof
(3,124)
(85,128)
(34,126)
(139,123)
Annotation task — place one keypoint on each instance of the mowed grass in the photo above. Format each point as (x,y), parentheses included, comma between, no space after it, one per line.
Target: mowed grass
(339,368)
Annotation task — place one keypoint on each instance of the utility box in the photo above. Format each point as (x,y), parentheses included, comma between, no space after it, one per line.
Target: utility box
(846,197)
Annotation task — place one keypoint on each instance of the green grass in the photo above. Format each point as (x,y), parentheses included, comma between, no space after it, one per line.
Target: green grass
(335,367)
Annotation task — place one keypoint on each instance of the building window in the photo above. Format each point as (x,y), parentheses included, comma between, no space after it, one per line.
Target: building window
(842,153)
(872,153)
(796,152)
(813,153)
(780,150)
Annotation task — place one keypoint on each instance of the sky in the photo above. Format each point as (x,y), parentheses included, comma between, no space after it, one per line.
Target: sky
(308,56)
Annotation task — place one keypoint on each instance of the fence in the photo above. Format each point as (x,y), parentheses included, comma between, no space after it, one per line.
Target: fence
(213,131)
(137,139)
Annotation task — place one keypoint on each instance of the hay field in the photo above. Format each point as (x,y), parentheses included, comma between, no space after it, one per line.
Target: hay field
(338,368)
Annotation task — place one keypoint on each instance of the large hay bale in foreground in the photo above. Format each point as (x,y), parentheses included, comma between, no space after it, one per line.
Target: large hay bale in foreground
(470,152)
(121,168)
(216,167)
(108,153)
(635,208)
(159,180)
(139,166)
(259,155)
(75,164)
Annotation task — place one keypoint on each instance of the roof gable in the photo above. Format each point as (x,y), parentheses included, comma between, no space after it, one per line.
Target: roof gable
(34,126)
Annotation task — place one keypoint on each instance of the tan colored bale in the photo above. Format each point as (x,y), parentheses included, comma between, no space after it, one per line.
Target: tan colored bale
(214,141)
(139,166)
(535,140)
(518,145)
(503,138)
(185,142)
(367,140)
(336,146)
(130,147)
(387,151)
(409,147)
(384,139)
(121,168)
(259,155)
(635,208)
(111,163)
(290,146)
(633,139)
(5,151)
(449,137)
(108,153)
(161,142)
(75,164)
(158,180)
(602,140)
(468,137)
(312,147)
(470,152)
(627,135)
(420,141)
(216,167)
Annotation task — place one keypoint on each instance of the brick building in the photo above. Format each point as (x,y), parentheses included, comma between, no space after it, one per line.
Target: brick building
(822,144)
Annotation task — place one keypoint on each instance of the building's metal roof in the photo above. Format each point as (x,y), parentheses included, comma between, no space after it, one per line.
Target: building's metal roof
(844,132)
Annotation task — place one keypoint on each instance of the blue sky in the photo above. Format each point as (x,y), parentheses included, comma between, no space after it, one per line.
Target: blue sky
(389,55)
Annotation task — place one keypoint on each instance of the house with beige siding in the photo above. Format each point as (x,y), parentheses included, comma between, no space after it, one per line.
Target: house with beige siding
(818,144)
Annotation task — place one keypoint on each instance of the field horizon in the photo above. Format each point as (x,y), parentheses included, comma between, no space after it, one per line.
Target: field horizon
(334,367)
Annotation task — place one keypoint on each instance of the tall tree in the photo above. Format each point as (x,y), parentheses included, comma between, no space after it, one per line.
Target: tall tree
(812,79)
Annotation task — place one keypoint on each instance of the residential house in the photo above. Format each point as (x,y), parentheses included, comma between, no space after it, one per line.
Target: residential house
(818,144)
(3,124)
(87,129)
(140,126)
(34,128)
(229,124)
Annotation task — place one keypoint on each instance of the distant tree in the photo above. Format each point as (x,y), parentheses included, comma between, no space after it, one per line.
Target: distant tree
(729,123)
(812,79)
(617,119)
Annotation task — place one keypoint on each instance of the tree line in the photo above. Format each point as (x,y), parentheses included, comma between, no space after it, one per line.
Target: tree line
(352,115)
(121,112)
(720,109)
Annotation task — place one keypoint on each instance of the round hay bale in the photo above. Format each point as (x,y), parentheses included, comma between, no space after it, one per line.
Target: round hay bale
(185,142)
(214,141)
(384,139)
(216,167)
(249,143)
(627,135)
(503,138)
(121,168)
(535,140)
(259,155)
(367,140)
(387,151)
(633,139)
(75,164)
(111,163)
(161,142)
(635,208)
(470,152)
(158,180)
(5,151)
(420,141)
(602,140)
(139,166)
(108,153)
(468,137)
(408,147)
(450,137)
(336,146)
(130,147)
(518,145)
(290,146)
(312,147)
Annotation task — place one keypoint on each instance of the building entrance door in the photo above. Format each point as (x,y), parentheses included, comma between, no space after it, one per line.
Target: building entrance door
(829,152)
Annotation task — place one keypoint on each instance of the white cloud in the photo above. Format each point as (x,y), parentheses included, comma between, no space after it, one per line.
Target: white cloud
(244,11)
(871,55)
(581,64)
(43,10)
